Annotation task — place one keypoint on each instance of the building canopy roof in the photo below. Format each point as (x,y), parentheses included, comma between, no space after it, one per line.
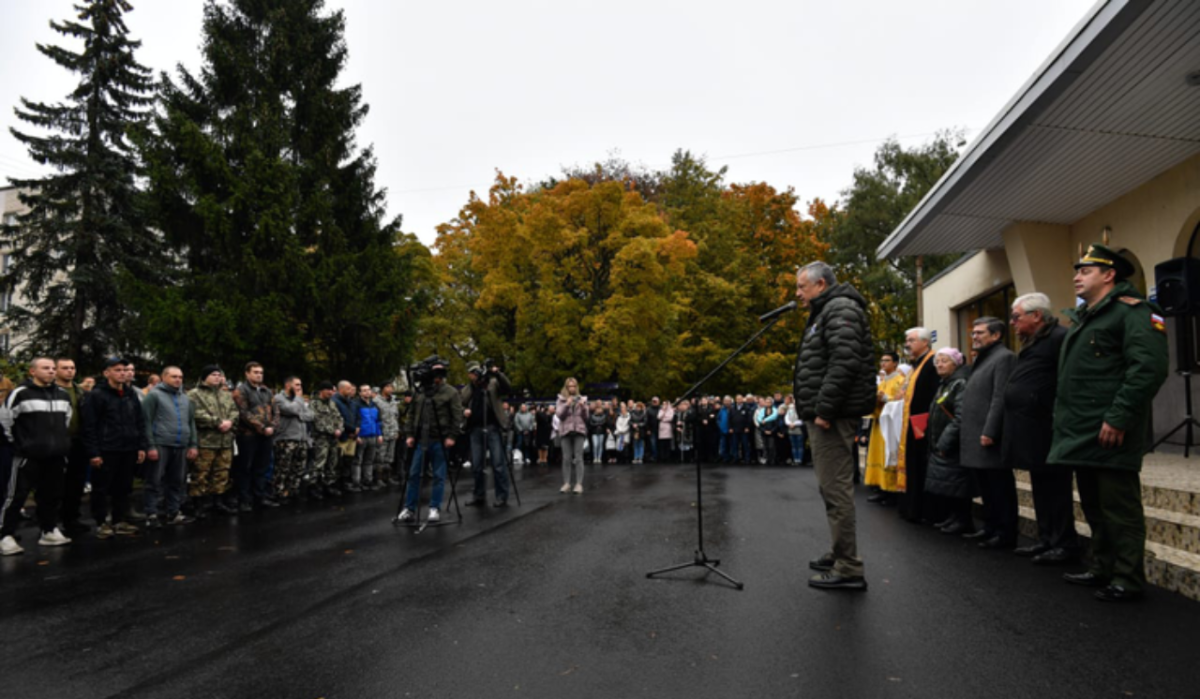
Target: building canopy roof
(1111,108)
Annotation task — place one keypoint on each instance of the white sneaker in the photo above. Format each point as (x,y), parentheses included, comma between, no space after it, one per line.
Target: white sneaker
(434,515)
(53,538)
(10,547)
(565,489)
(406,515)
(579,489)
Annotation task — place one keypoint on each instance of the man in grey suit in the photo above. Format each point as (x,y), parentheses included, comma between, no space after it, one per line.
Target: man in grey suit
(982,428)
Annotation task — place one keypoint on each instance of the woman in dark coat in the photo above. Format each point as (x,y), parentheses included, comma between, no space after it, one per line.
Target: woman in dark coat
(946,478)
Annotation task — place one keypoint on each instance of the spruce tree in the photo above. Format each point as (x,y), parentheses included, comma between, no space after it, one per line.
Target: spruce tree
(83,230)
(257,183)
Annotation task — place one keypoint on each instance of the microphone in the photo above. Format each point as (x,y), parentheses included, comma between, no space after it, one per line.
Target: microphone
(789,306)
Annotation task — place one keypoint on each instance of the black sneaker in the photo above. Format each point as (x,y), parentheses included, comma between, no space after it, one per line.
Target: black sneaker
(823,564)
(832,581)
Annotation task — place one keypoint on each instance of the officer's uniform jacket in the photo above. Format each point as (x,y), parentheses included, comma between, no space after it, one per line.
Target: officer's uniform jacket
(1114,359)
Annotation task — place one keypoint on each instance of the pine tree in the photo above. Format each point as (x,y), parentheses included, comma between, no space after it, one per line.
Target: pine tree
(83,230)
(257,182)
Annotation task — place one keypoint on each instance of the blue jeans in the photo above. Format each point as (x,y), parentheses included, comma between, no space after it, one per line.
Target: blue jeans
(490,436)
(797,441)
(653,440)
(724,449)
(597,448)
(639,449)
(436,452)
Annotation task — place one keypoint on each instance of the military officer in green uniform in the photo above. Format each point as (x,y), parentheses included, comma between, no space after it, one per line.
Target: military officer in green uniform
(1113,361)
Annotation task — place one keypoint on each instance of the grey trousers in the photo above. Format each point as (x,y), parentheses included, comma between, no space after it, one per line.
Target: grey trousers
(833,462)
(572,455)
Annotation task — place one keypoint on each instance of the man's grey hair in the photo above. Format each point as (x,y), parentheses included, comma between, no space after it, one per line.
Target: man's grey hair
(818,270)
(1035,302)
(921,333)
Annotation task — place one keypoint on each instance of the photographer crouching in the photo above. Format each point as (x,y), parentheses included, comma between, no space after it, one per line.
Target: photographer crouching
(432,426)
(487,420)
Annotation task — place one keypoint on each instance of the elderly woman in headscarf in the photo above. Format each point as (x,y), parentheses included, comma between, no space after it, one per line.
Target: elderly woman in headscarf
(946,478)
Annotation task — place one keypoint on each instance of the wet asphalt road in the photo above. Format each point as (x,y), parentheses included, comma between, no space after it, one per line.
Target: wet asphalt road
(550,599)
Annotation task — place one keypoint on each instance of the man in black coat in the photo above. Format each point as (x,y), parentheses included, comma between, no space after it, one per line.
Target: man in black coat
(922,387)
(1029,429)
(834,386)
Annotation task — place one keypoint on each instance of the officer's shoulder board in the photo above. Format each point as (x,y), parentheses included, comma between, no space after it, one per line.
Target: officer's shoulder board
(1129,300)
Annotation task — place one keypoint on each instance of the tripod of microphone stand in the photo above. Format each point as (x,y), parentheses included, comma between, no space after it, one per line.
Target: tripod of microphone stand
(1183,340)
(700,558)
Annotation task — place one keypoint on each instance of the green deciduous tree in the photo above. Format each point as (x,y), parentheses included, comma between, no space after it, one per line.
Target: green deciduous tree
(874,206)
(84,227)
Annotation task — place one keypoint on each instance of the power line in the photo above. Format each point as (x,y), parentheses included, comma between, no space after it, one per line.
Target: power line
(795,149)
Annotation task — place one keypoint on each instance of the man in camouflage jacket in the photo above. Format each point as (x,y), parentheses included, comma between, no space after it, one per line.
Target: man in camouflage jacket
(216,415)
(327,428)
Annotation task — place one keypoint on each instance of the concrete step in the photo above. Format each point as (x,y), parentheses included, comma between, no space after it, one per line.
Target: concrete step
(1172,487)
(1167,527)
(1167,567)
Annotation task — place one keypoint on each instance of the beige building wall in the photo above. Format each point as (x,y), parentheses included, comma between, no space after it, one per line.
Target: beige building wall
(1150,224)
(979,275)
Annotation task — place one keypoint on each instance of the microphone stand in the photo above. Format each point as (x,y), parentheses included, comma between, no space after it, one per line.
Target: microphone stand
(701,559)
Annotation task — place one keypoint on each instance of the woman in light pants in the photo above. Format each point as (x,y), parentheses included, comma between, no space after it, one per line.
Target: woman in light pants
(571,411)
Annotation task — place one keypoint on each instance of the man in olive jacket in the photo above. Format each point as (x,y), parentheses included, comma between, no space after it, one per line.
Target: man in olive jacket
(433,425)
(834,385)
(1114,359)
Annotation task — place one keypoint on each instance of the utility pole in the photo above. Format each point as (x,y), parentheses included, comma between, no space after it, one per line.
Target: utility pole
(920,292)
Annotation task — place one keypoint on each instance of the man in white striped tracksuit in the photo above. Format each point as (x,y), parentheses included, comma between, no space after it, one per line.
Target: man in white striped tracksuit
(36,416)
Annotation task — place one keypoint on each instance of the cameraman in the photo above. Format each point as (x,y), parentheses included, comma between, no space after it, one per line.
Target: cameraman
(432,425)
(487,420)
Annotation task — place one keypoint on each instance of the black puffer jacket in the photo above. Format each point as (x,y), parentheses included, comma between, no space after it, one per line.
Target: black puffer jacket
(835,369)
(112,421)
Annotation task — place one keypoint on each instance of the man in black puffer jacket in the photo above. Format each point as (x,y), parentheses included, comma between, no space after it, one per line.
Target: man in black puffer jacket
(834,385)
(114,436)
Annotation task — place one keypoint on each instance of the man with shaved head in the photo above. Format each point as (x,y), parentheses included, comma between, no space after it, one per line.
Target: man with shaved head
(171,426)
(36,416)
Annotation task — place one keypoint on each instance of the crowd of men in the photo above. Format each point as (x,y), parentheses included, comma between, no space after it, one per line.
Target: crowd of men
(1071,408)
(226,449)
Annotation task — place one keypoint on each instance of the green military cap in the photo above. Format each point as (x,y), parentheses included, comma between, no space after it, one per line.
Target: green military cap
(1098,255)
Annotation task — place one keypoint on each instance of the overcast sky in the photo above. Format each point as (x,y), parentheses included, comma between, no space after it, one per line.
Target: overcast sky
(791,92)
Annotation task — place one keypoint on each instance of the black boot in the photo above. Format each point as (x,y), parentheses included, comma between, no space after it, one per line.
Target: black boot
(223,504)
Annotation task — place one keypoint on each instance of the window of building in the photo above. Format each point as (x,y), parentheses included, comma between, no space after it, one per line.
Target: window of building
(6,298)
(997,304)
(5,343)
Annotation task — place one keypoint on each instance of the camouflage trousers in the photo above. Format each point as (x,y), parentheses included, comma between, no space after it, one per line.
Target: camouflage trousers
(327,459)
(385,457)
(291,458)
(209,473)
